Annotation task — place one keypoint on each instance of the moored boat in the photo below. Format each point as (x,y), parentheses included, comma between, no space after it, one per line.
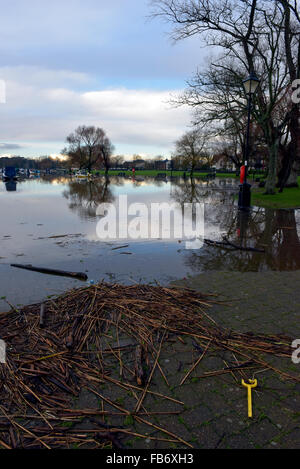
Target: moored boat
(82,175)
(9,174)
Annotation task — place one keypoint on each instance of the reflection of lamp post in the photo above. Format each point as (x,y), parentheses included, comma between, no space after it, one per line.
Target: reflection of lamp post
(250,85)
(242,227)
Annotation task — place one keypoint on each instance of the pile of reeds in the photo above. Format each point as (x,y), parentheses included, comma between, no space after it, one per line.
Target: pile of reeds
(74,342)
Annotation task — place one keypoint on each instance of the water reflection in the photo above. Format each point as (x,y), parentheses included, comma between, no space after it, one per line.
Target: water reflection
(209,192)
(275,231)
(11,186)
(54,206)
(85,196)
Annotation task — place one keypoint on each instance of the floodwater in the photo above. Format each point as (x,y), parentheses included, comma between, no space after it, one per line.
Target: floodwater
(51,222)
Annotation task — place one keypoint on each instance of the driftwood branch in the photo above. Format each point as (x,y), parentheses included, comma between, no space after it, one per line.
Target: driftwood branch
(61,273)
(227,244)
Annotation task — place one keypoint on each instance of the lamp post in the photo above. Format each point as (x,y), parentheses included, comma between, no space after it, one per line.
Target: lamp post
(250,86)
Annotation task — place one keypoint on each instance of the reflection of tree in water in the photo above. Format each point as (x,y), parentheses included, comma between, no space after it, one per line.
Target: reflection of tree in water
(282,238)
(116,181)
(196,190)
(159,182)
(139,181)
(85,196)
(211,193)
(52,179)
(273,230)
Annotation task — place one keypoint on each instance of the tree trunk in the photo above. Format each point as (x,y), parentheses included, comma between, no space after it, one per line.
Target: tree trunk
(293,177)
(288,174)
(192,170)
(285,166)
(295,148)
(272,171)
(290,165)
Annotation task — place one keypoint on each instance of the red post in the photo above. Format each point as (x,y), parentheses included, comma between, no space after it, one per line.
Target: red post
(242,174)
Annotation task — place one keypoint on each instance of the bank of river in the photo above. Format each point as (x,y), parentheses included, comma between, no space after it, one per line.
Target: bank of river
(207,410)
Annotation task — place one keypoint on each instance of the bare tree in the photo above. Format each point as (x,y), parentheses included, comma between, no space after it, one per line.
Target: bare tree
(189,149)
(106,149)
(291,159)
(260,35)
(117,161)
(89,147)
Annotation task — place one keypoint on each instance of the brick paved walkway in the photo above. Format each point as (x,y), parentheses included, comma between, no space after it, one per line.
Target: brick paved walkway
(215,410)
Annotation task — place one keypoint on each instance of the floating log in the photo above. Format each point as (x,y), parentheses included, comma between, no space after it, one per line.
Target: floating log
(43,270)
(120,247)
(235,246)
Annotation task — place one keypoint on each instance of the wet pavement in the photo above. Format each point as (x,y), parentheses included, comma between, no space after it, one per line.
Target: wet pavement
(213,409)
(260,302)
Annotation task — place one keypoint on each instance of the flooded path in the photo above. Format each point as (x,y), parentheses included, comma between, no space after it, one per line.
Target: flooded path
(52,223)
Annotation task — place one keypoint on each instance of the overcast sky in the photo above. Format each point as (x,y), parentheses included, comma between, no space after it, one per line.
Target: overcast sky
(72,62)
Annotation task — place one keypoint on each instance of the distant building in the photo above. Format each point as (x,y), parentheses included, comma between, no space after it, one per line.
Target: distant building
(222,161)
(168,165)
(163,165)
(137,164)
(159,165)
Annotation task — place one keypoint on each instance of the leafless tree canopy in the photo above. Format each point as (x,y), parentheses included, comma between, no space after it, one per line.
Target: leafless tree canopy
(89,147)
(249,35)
(190,149)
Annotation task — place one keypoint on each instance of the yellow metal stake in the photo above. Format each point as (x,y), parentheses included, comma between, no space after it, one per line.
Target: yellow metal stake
(253,384)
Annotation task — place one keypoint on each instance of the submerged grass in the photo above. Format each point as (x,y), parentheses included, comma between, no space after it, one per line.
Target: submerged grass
(289,198)
(154,173)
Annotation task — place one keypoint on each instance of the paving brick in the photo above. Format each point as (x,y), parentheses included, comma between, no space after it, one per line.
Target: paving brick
(206,437)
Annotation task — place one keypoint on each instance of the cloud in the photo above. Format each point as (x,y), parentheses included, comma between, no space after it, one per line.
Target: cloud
(95,62)
(38,112)
(38,76)
(112,40)
(55,23)
(9,146)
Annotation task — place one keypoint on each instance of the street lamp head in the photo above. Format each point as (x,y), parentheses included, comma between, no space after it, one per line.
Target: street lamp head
(251,83)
